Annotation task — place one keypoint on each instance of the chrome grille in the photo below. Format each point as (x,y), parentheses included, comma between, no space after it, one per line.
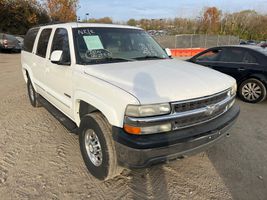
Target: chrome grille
(201,110)
(199,103)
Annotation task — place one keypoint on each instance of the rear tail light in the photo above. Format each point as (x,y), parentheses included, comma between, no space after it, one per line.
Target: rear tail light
(5,42)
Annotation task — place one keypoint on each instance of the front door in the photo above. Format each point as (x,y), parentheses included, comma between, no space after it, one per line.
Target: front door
(59,76)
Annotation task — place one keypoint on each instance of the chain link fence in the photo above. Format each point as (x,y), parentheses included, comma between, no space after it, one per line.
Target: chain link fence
(196,40)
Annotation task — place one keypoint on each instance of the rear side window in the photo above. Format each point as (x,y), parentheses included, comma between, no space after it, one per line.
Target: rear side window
(232,55)
(249,58)
(10,37)
(43,42)
(61,42)
(29,39)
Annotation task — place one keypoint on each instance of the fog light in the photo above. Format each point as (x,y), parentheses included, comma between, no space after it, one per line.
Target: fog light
(147,130)
(156,129)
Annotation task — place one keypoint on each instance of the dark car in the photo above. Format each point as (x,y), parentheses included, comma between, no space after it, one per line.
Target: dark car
(9,43)
(246,63)
(263,44)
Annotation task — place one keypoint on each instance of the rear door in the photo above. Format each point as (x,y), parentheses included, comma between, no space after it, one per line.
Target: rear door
(39,60)
(251,64)
(231,62)
(59,76)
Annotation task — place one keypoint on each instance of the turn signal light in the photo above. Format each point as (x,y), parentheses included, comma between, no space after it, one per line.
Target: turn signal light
(132,129)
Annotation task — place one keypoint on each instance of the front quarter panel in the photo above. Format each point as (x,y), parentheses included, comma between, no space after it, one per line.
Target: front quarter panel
(107,98)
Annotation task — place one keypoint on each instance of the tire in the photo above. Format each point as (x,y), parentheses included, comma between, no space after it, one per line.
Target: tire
(100,160)
(252,91)
(33,95)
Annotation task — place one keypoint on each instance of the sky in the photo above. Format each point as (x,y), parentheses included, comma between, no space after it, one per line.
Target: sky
(122,10)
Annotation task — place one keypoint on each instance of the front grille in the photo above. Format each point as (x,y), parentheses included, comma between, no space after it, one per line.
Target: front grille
(200,110)
(200,103)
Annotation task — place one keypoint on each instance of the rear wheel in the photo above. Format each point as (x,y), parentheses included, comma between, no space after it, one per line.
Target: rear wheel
(97,147)
(33,95)
(252,91)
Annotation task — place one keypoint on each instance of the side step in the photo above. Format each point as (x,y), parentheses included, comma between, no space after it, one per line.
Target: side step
(63,119)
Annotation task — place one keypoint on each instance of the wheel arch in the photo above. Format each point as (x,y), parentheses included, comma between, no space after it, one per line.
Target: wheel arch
(28,75)
(86,104)
(260,77)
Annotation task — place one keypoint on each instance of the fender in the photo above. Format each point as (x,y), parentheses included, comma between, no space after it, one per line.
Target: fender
(113,113)
(26,69)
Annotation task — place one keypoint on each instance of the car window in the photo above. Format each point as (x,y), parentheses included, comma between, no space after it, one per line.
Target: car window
(232,55)
(43,42)
(61,42)
(210,55)
(95,45)
(29,39)
(10,37)
(249,58)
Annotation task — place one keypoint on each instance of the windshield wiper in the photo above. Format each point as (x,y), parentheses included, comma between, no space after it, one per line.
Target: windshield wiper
(148,57)
(118,59)
(106,60)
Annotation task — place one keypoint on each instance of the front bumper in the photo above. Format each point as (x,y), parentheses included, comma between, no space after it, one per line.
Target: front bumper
(135,151)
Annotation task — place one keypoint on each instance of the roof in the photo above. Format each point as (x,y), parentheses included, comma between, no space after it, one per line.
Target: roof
(79,24)
(253,47)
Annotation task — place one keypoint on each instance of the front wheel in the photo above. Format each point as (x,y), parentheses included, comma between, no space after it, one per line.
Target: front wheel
(252,91)
(97,147)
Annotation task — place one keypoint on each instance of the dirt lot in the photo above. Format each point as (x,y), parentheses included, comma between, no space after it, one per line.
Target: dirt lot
(40,159)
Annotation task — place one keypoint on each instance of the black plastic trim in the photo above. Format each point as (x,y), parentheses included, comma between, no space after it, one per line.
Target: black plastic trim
(144,151)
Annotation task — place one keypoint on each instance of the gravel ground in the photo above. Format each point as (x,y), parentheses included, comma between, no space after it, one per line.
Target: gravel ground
(40,159)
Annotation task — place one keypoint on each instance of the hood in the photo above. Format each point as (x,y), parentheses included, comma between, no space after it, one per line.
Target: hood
(157,81)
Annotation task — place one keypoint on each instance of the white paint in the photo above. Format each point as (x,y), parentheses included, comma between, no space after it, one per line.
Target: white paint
(111,87)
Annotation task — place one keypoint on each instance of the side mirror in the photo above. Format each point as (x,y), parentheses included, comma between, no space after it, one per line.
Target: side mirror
(56,56)
(192,60)
(168,51)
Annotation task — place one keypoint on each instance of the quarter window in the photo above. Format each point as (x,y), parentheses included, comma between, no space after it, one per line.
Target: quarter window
(43,42)
(61,42)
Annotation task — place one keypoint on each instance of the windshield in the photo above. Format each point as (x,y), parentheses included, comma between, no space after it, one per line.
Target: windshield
(104,45)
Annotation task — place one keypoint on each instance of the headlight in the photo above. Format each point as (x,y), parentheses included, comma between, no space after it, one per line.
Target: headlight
(233,90)
(231,93)
(147,110)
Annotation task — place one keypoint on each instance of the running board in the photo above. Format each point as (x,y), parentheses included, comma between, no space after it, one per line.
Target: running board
(63,119)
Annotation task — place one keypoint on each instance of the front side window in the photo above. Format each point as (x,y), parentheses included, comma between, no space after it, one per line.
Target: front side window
(43,42)
(61,42)
(104,45)
(210,56)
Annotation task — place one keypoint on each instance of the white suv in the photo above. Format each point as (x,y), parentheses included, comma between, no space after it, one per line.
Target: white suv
(132,104)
